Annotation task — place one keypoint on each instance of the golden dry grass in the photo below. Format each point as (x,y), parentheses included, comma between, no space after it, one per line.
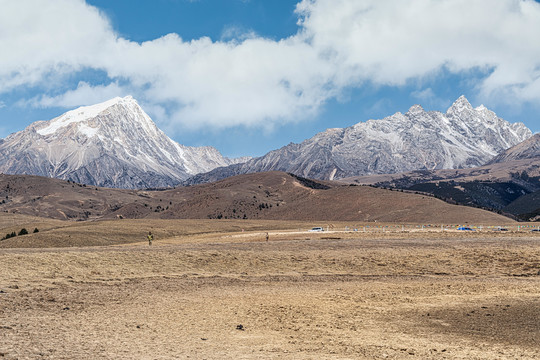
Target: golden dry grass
(335,295)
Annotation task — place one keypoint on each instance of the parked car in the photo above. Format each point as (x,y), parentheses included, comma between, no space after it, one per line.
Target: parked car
(500,229)
(465,228)
(316,229)
(535,230)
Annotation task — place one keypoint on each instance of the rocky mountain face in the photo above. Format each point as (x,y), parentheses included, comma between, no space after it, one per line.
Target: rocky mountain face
(460,138)
(509,183)
(112,144)
(528,149)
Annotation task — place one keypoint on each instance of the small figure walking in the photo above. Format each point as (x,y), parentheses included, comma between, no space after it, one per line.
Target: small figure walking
(150,238)
(267,236)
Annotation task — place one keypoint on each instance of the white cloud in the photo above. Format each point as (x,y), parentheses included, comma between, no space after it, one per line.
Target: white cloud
(424,95)
(390,41)
(427,97)
(255,81)
(237,33)
(84,94)
(40,38)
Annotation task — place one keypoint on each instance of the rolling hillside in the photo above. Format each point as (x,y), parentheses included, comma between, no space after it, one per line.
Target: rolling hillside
(271,196)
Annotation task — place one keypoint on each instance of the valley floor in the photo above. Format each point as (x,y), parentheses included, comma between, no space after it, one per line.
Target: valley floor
(298,296)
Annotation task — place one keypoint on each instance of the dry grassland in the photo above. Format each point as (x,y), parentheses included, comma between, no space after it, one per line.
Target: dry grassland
(207,290)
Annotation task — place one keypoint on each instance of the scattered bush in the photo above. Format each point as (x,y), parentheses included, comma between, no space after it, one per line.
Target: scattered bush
(23,231)
(264,206)
(9,235)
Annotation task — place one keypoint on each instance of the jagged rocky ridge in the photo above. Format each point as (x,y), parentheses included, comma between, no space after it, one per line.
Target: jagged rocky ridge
(112,144)
(460,138)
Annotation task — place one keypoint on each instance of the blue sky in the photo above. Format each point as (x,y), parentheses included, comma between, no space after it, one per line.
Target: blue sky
(249,76)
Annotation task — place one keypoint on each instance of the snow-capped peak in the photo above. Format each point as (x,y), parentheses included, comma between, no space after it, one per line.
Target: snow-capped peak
(463,137)
(114,143)
(415,109)
(84,113)
(460,105)
(481,108)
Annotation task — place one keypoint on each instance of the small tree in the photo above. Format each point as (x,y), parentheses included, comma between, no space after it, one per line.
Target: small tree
(36,230)
(9,235)
(23,231)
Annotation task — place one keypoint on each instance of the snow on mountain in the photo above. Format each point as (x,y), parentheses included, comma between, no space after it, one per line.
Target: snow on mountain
(113,144)
(460,138)
(526,150)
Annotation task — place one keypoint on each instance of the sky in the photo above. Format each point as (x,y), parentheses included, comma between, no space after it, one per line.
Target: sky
(250,76)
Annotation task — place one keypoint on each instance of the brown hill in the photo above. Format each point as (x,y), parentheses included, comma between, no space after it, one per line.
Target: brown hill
(272,196)
(59,199)
(493,186)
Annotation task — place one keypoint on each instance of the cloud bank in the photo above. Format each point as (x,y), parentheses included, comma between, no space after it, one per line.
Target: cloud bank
(253,81)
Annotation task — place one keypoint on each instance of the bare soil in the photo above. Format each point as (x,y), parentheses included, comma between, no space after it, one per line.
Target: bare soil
(228,294)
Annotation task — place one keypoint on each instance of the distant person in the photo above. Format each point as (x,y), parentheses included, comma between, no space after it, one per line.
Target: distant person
(150,238)
(267,236)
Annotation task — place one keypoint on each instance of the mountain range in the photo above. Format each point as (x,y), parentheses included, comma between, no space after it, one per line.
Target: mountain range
(116,144)
(463,137)
(111,144)
(509,183)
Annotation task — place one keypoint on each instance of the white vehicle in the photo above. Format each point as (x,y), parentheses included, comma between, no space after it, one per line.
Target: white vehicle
(316,229)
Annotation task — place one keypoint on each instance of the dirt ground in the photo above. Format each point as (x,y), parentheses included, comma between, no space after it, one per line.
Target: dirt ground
(300,295)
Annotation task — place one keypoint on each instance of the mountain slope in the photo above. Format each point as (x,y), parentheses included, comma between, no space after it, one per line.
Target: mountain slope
(509,183)
(526,207)
(528,149)
(112,144)
(271,196)
(462,137)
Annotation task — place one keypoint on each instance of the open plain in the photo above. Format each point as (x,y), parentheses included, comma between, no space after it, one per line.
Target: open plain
(212,289)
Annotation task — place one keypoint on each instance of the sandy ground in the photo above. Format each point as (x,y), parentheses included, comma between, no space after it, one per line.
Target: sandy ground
(298,296)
